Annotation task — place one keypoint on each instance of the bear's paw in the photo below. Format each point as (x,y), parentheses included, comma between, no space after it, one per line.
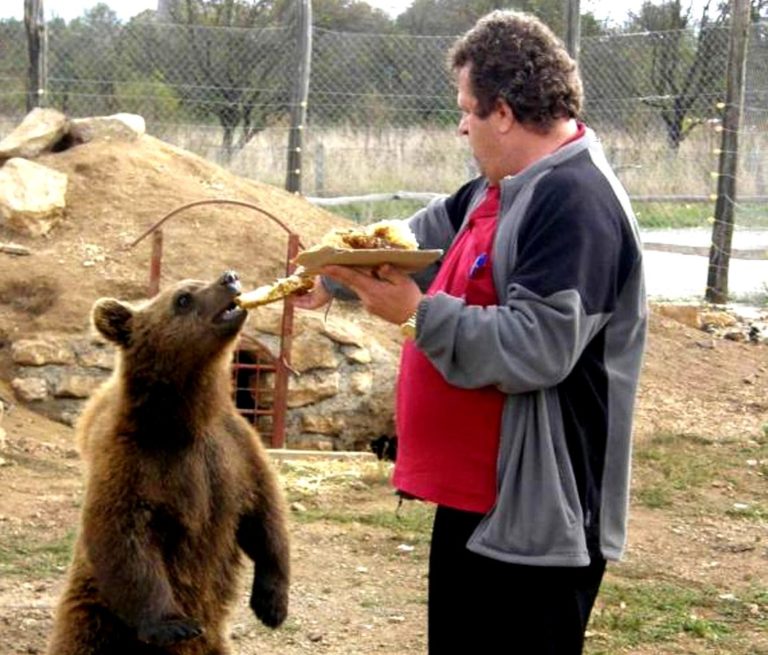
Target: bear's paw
(269,603)
(169,631)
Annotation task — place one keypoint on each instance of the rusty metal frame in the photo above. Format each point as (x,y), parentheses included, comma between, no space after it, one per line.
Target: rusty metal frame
(283,361)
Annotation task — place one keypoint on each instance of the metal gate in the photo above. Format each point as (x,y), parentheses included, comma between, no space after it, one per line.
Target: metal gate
(253,371)
(268,417)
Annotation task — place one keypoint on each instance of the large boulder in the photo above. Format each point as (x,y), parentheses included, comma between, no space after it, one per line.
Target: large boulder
(117,127)
(32,197)
(40,130)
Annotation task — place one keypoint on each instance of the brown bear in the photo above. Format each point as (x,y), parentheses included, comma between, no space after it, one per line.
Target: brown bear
(178,486)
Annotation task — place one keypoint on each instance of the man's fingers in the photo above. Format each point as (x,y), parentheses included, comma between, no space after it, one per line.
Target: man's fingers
(348,276)
(389,273)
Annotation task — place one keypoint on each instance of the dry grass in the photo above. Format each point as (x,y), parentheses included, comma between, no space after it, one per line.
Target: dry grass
(348,161)
(34,296)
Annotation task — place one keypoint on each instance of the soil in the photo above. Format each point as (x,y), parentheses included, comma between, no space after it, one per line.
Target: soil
(359,584)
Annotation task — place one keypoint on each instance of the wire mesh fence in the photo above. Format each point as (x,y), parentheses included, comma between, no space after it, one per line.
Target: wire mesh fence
(381,110)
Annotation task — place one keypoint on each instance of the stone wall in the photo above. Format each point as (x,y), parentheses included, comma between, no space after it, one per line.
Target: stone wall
(340,397)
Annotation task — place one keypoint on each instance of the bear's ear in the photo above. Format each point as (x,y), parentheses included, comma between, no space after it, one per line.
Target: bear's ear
(113,320)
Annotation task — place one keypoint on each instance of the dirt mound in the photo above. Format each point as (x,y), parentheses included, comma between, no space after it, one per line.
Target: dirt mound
(116,191)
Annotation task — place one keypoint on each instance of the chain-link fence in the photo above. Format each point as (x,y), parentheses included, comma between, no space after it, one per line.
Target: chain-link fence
(381,110)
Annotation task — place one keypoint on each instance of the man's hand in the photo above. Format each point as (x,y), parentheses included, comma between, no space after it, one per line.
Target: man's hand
(317,297)
(386,291)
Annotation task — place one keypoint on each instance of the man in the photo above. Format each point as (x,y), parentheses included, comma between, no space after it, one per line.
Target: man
(516,392)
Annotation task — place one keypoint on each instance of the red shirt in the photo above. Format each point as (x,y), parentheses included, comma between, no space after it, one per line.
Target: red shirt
(448,437)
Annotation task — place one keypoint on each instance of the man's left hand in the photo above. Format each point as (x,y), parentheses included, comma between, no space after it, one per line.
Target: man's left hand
(385,291)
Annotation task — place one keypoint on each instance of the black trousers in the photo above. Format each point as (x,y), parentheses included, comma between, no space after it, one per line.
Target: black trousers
(479,605)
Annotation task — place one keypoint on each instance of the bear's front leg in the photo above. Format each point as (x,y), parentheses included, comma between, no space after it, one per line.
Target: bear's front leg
(262,536)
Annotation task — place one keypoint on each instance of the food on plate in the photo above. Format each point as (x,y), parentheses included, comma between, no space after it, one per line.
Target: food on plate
(381,235)
(387,235)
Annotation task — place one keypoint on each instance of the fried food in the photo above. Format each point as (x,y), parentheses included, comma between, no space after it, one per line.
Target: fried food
(381,235)
(281,288)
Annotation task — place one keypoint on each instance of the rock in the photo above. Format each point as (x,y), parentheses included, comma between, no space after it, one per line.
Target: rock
(30,389)
(358,355)
(312,387)
(97,357)
(14,249)
(40,130)
(41,351)
(305,442)
(312,350)
(32,197)
(322,424)
(117,127)
(715,319)
(685,314)
(343,332)
(361,383)
(76,386)
(3,439)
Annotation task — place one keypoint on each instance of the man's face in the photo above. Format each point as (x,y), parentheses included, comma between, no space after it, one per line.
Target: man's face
(480,132)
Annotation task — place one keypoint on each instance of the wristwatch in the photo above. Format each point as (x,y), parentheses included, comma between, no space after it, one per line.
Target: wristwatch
(408,329)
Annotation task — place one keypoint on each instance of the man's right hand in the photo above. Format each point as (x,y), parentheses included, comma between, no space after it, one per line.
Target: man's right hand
(316,298)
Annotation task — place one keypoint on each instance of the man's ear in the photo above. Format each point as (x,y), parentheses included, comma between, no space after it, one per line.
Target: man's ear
(113,319)
(505,117)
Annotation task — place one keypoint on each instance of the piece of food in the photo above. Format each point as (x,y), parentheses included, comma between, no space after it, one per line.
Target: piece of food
(381,235)
(281,288)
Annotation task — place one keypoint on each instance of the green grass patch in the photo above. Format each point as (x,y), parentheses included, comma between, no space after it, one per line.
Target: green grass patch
(412,523)
(652,612)
(674,466)
(673,215)
(748,512)
(34,555)
(695,214)
(368,212)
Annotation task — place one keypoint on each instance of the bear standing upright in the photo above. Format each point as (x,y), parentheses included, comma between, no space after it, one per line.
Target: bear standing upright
(178,486)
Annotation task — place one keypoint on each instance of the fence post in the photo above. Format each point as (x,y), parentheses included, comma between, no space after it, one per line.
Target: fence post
(722,231)
(572,27)
(300,96)
(37,47)
(320,169)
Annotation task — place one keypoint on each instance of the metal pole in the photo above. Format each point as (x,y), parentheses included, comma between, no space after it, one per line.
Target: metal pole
(283,363)
(155,263)
(722,231)
(300,96)
(572,27)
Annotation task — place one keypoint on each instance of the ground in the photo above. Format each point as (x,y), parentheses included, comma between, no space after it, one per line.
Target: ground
(694,577)
(693,580)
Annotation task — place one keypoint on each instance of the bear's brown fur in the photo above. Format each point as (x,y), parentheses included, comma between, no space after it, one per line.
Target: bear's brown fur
(178,486)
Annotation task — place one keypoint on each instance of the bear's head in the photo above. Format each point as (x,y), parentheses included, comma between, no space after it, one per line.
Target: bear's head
(180,332)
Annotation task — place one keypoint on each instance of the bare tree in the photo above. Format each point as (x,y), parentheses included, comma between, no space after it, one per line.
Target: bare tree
(686,65)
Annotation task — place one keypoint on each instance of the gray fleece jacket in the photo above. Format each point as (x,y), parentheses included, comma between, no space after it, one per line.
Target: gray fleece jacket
(565,344)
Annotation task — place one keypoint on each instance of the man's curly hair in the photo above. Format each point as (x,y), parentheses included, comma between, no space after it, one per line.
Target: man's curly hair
(514,57)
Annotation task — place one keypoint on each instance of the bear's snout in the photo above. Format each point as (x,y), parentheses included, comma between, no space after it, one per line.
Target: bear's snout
(231,280)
